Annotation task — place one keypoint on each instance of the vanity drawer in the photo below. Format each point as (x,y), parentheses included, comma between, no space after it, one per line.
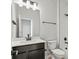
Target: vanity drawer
(36,46)
(29,47)
(21,48)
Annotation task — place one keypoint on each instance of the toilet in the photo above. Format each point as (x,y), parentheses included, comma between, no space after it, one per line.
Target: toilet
(56,53)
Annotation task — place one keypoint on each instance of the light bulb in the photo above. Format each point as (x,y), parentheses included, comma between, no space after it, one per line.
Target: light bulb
(20,4)
(34,6)
(28,4)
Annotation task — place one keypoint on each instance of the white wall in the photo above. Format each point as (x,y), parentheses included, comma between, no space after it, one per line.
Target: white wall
(48,12)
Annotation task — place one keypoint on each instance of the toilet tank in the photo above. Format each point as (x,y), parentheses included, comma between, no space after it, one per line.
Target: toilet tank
(52,45)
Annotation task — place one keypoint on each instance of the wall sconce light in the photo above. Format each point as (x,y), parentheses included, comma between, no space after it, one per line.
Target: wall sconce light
(28,4)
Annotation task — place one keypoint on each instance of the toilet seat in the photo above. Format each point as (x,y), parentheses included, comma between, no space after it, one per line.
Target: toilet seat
(58,52)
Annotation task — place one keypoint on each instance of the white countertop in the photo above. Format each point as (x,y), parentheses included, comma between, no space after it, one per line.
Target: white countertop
(22,41)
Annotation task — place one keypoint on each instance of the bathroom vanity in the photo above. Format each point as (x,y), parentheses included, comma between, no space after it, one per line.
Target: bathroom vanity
(33,49)
(25,26)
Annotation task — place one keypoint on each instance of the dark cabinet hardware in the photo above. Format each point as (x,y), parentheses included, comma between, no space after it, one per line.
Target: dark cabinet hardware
(66,14)
(66,48)
(14,52)
(65,39)
(66,42)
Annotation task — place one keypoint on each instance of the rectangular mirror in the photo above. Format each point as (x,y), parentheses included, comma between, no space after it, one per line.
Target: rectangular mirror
(25,21)
(26,27)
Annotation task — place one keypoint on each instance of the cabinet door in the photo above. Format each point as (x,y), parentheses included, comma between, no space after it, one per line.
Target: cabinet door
(36,54)
(20,52)
(20,56)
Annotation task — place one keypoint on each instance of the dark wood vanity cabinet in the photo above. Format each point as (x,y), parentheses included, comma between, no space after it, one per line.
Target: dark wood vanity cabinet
(34,51)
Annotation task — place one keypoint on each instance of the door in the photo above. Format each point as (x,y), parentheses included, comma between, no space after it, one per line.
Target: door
(36,54)
(64,26)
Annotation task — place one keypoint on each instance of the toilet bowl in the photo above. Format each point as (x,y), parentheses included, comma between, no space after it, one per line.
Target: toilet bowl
(56,53)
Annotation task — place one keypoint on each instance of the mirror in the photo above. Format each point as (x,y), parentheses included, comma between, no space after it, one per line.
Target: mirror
(26,28)
(25,21)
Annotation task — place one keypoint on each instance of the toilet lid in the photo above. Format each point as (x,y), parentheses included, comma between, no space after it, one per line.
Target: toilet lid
(58,52)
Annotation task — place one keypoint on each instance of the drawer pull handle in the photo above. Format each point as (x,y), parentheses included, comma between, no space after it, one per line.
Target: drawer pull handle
(14,52)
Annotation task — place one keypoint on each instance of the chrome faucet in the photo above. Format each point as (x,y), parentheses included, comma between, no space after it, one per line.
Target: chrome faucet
(28,37)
